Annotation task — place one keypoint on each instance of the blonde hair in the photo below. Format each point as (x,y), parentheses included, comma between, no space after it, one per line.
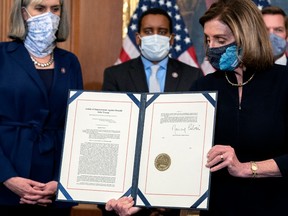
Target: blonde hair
(247,25)
(18,28)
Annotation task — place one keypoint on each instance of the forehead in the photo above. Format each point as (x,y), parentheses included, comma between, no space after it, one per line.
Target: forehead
(215,27)
(155,21)
(45,2)
(274,20)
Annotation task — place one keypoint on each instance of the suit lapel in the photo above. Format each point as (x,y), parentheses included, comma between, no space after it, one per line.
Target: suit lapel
(21,56)
(172,77)
(61,67)
(137,74)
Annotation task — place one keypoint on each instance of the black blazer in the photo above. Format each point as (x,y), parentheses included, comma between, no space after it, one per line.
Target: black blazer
(130,77)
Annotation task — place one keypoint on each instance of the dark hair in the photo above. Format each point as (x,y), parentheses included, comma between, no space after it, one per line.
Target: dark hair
(273,10)
(155,11)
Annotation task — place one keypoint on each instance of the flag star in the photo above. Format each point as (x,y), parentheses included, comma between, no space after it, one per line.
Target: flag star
(176,7)
(169,12)
(133,27)
(186,30)
(177,37)
(169,4)
(153,1)
(187,40)
(178,27)
(161,2)
(135,17)
(177,17)
(144,8)
(178,48)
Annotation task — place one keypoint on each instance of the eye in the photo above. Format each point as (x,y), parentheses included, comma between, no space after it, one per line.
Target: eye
(279,30)
(162,32)
(55,9)
(207,40)
(148,31)
(221,41)
(40,8)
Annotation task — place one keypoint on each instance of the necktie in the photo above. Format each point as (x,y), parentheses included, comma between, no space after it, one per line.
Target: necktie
(154,85)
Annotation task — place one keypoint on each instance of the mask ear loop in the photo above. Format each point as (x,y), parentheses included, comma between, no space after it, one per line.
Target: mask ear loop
(24,8)
(139,46)
(239,55)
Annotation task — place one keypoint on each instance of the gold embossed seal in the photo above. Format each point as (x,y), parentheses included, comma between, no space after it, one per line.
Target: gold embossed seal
(162,162)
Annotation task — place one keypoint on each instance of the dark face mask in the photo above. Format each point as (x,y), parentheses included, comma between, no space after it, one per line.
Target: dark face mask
(224,58)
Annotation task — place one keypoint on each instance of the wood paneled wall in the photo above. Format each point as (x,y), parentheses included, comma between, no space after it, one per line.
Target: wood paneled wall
(95,35)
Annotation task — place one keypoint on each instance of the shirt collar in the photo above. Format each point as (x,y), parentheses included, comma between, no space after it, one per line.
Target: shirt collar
(282,60)
(148,64)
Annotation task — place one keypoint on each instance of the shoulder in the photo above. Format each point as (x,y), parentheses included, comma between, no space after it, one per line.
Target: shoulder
(4,44)
(11,46)
(133,63)
(176,63)
(279,72)
(210,81)
(65,53)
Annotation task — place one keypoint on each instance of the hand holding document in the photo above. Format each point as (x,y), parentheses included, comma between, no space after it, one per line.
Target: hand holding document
(149,146)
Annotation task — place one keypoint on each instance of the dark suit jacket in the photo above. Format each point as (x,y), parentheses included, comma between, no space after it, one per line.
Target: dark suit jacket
(31,119)
(130,77)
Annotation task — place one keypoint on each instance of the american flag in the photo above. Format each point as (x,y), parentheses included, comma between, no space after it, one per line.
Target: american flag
(262,3)
(182,49)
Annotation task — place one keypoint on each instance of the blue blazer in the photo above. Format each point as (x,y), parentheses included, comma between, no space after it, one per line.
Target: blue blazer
(31,119)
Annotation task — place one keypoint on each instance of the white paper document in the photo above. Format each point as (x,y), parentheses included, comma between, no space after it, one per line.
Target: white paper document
(149,146)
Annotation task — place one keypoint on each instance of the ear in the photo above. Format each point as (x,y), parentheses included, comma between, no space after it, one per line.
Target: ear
(137,38)
(172,39)
(24,13)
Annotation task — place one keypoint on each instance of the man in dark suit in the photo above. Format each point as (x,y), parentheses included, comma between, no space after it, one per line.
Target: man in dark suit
(155,38)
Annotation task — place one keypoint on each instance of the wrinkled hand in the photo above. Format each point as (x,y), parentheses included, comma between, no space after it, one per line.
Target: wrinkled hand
(123,206)
(49,191)
(221,156)
(32,192)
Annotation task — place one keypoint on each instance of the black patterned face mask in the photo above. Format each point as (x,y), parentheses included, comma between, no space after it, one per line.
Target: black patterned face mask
(224,58)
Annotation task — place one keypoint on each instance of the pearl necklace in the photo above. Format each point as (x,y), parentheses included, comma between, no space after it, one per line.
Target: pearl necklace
(239,84)
(47,64)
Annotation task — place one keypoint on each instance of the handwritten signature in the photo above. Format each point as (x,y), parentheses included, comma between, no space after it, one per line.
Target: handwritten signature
(182,130)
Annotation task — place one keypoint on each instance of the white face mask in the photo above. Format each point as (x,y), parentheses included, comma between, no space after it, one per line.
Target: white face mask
(40,39)
(155,47)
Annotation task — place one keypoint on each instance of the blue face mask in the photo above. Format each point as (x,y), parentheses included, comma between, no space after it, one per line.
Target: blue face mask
(224,58)
(278,45)
(40,39)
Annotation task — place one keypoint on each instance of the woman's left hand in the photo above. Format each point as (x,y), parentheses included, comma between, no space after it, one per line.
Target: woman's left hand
(223,156)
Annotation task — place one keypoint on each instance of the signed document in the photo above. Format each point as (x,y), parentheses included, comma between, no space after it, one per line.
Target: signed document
(152,147)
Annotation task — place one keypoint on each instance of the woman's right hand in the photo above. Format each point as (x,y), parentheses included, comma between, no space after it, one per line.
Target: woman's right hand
(26,189)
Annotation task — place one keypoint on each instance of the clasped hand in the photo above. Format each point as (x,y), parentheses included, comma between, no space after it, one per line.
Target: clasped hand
(32,192)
